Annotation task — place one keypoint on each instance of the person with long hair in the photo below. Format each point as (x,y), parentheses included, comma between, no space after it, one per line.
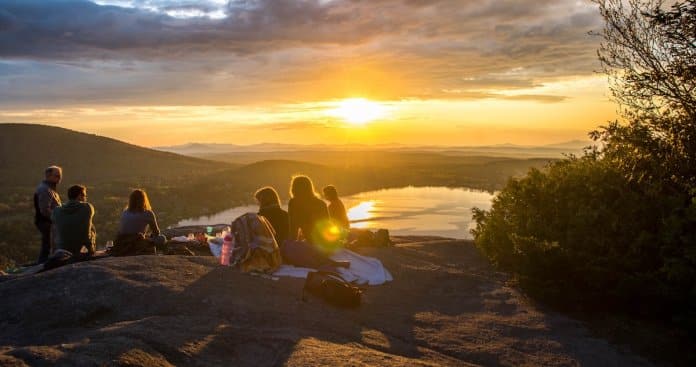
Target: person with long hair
(269,207)
(306,211)
(138,218)
(337,211)
(312,236)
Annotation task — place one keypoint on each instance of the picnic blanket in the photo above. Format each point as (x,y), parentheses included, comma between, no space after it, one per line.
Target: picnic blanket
(362,270)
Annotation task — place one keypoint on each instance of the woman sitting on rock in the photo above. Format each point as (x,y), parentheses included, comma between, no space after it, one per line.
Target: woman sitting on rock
(138,218)
(337,211)
(308,214)
(309,221)
(269,207)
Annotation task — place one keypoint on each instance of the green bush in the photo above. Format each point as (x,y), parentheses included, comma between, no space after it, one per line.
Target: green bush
(580,235)
(616,229)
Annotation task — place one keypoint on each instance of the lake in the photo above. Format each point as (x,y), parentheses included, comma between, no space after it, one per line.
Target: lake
(408,211)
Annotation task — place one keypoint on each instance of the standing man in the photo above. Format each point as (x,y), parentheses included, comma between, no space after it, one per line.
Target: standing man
(73,223)
(46,199)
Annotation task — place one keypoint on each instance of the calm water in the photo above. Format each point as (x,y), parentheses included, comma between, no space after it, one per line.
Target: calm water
(437,211)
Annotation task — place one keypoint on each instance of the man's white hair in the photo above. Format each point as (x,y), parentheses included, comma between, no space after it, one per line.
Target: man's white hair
(49,170)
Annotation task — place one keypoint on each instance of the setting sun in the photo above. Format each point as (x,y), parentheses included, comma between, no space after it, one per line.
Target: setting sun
(359,111)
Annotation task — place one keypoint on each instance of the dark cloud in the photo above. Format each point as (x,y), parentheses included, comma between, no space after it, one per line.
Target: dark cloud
(7,21)
(71,50)
(68,29)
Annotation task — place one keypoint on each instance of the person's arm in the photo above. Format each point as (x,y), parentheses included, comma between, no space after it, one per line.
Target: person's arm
(92,244)
(55,236)
(46,202)
(154,228)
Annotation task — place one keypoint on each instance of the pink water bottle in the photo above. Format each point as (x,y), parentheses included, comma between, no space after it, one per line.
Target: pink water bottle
(227,248)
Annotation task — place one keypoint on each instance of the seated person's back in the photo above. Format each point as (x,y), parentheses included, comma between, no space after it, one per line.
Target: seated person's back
(337,211)
(269,207)
(133,222)
(73,222)
(305,210)
(306,214)
(139,219)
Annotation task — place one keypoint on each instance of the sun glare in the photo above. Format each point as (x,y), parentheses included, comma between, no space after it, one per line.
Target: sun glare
(359,111)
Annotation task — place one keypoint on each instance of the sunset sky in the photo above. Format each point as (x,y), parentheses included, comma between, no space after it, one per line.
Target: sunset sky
(439,72)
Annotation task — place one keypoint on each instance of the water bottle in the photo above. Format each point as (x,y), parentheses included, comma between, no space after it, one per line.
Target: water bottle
(227,249)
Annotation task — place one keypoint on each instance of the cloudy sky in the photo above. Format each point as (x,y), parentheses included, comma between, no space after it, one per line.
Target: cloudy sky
(159,72)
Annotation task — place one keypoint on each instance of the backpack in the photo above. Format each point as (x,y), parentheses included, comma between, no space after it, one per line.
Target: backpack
(382,238)
(332,288)
(255,248)
(367,238)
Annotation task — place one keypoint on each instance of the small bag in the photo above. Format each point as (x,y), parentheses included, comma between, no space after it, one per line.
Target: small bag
(367,238)
(332,288)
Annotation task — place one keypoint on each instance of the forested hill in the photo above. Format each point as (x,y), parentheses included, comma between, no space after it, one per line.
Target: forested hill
(182,187)
(26,149)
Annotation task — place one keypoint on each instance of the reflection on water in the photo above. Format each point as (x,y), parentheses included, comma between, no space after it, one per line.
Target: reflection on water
(361,213)
(222,217)
(437,211)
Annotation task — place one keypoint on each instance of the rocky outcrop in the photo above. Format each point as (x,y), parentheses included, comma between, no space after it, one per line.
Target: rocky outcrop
(446,306)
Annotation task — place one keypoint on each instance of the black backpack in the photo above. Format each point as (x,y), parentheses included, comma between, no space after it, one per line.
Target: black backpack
(332,288)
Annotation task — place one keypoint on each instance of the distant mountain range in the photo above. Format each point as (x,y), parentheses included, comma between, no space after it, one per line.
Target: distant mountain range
(25,149)
(214,149)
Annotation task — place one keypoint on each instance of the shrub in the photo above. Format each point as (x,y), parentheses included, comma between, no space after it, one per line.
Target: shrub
(616,229)
(580,235)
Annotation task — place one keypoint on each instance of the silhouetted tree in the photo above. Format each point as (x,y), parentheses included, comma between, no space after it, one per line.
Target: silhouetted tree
(615,229)
(649,53)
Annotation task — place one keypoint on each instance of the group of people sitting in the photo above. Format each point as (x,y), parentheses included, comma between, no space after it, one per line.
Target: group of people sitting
(307,217)
(69,226)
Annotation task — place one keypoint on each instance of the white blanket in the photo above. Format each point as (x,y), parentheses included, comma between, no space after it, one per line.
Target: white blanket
(362,270)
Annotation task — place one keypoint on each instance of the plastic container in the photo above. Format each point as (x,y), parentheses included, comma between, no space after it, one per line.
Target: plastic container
(227,249)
